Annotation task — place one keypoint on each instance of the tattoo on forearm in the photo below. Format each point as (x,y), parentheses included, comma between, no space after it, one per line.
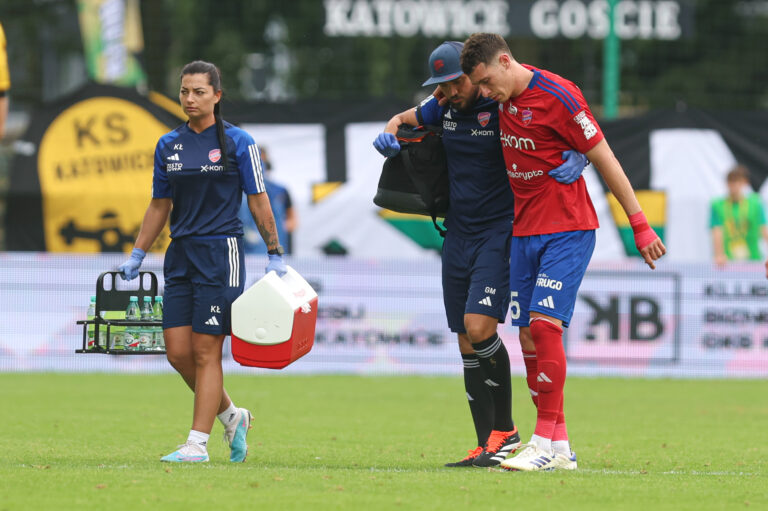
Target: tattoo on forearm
(268,231)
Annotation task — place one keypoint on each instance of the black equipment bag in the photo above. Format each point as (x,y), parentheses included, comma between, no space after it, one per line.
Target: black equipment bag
(416,179)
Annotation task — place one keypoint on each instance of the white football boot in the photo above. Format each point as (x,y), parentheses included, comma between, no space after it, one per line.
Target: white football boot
(529,457)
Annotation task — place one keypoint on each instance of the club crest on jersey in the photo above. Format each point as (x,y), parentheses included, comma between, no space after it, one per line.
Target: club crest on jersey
(526,116)
(483,118)
(512,109)
(214,155)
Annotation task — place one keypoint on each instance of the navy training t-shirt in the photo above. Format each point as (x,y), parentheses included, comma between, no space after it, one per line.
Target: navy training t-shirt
(480,197)
(190,170)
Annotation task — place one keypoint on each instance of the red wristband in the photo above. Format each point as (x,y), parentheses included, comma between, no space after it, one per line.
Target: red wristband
(638,222)
(644,235)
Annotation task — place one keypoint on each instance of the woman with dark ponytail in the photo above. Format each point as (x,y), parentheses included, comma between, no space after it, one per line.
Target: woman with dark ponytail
(201,170)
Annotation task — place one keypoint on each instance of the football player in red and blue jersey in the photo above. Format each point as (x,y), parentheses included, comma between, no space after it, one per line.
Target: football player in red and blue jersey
(475,268)
(201,170)
(542,115)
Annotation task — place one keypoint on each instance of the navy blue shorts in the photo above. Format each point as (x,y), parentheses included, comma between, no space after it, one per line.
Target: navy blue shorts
(545,274)
(475,277)
(203,276)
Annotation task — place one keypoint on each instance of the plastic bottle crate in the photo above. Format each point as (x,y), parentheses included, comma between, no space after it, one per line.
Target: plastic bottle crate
(113,302)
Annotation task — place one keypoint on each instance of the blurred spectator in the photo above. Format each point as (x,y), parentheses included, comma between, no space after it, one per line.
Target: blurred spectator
(738,221)
(285,215)
(5,83)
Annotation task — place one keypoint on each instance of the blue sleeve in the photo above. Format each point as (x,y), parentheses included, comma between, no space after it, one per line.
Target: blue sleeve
(161,189)
(248,159)
(430,112)
(282,195)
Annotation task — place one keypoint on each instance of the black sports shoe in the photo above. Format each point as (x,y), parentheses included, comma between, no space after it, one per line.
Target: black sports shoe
(467,462)
(500,444)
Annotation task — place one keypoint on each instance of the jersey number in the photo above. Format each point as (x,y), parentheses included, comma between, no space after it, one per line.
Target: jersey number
(514,306)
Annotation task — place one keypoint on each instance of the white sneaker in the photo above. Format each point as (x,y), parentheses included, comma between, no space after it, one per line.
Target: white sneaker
(235,435)
(564,462)
(529,457)
(229,431)
(187,453)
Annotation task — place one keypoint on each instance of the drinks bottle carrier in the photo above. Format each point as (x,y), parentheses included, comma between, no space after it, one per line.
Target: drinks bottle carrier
(111,301)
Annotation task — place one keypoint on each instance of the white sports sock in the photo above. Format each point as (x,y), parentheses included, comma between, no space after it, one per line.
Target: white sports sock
(199,438)
(545,444)
(228,416)
(562,447)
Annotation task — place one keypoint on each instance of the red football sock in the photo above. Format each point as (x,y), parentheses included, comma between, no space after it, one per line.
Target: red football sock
(529,359)
(550,378)
(561,431)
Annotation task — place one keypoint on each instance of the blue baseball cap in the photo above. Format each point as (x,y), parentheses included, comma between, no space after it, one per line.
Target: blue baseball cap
(444,63)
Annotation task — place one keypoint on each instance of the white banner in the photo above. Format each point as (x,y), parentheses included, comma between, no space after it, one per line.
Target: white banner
(380,316)
(545,19)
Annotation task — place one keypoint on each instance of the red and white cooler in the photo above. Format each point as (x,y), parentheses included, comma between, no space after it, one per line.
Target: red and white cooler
(273,321)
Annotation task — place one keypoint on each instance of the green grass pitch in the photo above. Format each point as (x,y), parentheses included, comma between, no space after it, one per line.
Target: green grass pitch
(93,441)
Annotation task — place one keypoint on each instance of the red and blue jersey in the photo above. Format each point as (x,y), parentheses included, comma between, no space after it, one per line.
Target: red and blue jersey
(206,194)
(479,199)
(550,116)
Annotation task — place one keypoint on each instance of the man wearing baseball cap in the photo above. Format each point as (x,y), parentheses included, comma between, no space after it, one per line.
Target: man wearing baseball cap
(475,267)
(444,63)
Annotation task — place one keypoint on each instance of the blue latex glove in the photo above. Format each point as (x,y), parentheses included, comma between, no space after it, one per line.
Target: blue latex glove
(571,168)
(129,270)
(276,264)
(387,144)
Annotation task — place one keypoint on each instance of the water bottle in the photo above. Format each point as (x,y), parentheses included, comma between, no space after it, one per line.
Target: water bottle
(158,342)
(131,334)
(116,333)
(102,331)
(146,332)
(90,338)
